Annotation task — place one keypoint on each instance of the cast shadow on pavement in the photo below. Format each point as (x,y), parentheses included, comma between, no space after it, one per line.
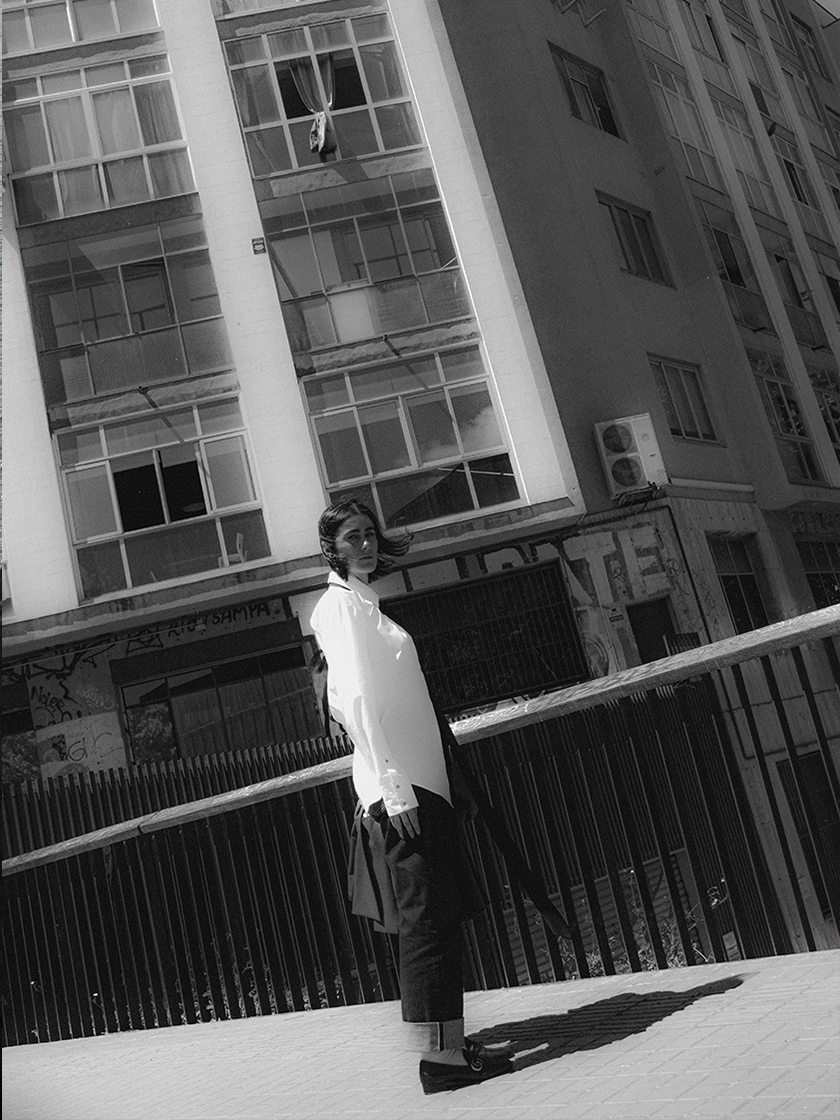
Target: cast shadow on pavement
(595,1024)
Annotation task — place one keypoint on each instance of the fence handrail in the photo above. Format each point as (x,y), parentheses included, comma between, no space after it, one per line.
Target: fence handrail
(671,670)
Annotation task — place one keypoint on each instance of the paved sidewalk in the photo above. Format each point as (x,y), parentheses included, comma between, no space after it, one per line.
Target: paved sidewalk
(747,1039)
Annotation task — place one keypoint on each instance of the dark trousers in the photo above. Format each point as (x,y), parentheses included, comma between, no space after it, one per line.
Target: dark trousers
(434,893)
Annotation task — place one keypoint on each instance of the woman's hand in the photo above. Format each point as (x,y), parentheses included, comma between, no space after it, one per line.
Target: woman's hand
(407,823)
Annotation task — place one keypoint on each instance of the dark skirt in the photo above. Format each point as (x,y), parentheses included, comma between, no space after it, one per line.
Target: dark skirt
(457,891)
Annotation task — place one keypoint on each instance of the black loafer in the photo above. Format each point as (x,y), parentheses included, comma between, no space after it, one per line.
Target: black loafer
(439,1077)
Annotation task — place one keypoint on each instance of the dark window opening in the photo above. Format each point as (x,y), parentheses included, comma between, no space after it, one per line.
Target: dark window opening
(819,839)
(739,581)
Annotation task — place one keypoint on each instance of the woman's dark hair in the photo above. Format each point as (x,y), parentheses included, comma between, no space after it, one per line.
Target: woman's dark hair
(329,526)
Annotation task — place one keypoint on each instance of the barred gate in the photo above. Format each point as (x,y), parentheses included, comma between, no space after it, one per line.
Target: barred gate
(636,798)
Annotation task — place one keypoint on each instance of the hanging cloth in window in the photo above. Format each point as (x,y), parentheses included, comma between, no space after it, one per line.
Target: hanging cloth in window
(321,135)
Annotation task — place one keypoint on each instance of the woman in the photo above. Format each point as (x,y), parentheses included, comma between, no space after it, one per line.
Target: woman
(407,865)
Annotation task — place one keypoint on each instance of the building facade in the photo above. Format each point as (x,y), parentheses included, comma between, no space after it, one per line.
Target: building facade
(554,286)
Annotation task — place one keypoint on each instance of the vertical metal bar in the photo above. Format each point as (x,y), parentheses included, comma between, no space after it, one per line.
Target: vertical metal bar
(833,659)
(607,715)
(634,709)
(816,719)
(770,793)
(831,882)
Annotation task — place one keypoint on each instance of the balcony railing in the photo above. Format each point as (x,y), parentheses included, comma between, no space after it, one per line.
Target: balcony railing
(680,812)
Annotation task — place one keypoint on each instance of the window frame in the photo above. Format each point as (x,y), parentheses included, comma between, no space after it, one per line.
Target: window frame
(301,157)
(652,252)
(192,417)
(97,160)
(810,50)
(745,579)
(26,7)
(670,87)
(684,370)
(352,405)
(784,414)
(589,112)
(824,573)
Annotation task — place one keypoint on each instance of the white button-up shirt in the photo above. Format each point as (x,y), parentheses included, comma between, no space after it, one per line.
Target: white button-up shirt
(377,691)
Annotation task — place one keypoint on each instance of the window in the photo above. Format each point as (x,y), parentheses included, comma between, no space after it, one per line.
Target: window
(681,392)
(829,269)
(586,89)
(637,242)
(758,73)
(87,139)
(800,186)
(806,104)
(159,496)
(785,415)
(653,26)
(735,268)
(129,308)
(40,24)
(749,165)
(363,260)
(732,558)
(418,438)
(821,561)
(775,22)
(704,39)
(826,385)
(808,46)
(250,702)
(685,126)
(831,178)
(349,68)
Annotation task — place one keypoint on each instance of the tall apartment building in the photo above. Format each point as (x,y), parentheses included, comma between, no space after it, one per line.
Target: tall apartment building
(554,284)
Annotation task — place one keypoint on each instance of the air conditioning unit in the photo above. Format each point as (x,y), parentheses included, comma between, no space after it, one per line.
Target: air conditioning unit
(630,454)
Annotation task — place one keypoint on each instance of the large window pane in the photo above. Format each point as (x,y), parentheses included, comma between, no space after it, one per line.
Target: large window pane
(79,447)
(35,199)
(136,15)
(179,470)
(176,551)
(268,150)
(355,134)
(245,537)
(193,286)
(433,427)
(15,34)
(156,110)
(476,419)
(339,254)
(147,294)
(460,364)
(341,447)
(398,126)
(384,437)
(116,121)
(425,497)
(207,346)
(494,481)
(55,315)
(352,314)
(229,474)
(396,305)
(80,190)
(117,364)
(445,295)
(382,71)
(295,266)
(25,137)
(91,505)
(94,18)
(65,376)
(138,492)
(148,432)
(101,569)
(428,238)
(347,85)
(50,26)
(326,392)
(384,248)
(255,95)
(171,173)
(126,181)
(152,733)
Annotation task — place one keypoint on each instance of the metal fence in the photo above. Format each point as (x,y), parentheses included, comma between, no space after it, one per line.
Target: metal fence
(678,813)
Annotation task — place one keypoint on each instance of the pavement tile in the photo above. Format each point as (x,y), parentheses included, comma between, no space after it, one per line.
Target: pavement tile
(659,1049)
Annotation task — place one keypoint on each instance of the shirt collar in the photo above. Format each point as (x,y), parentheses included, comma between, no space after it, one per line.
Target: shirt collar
(354,584)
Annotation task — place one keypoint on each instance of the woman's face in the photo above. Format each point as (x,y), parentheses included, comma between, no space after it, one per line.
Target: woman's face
(357,543)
